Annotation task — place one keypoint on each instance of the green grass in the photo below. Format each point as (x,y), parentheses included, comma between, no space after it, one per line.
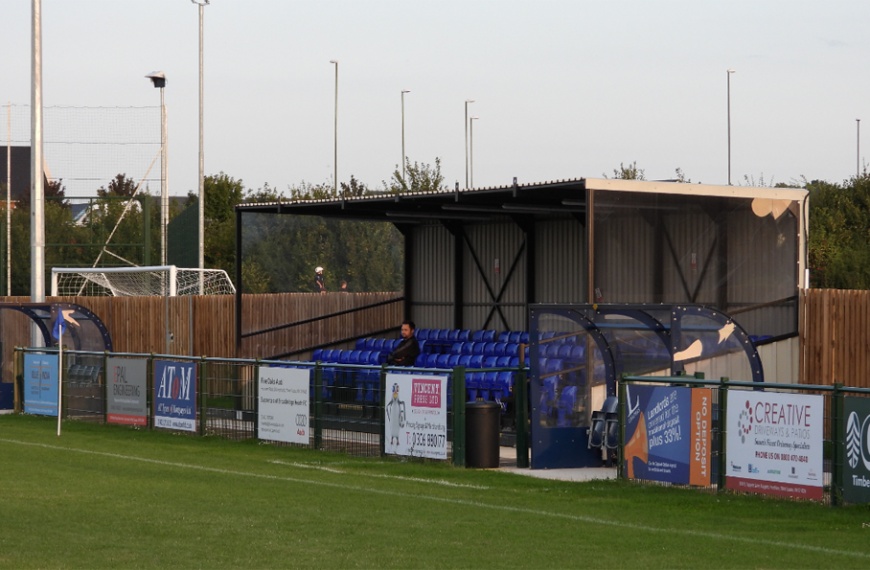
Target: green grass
(113,497)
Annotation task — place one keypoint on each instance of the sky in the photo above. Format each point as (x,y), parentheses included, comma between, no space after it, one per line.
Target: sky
(562,88)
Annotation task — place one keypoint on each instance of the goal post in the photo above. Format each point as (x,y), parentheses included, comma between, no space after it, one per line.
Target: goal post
(157,280)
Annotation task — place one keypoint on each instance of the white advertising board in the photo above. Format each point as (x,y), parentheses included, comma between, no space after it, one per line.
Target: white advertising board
(415,417)
(774,443)
(283,405)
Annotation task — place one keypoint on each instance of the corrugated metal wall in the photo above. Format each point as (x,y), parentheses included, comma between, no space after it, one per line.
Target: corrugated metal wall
(432,278)
(560,261)
(495,296)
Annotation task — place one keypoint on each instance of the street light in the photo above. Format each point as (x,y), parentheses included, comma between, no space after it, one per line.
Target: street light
(158,78)
(335,131)
(728,73)
(467,101)
(201,4)
(471,145)
(403,133)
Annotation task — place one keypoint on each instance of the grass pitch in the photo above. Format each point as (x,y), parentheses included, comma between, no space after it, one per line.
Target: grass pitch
(110,497)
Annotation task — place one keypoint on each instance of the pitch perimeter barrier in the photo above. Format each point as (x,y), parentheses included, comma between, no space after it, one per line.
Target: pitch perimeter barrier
(356,409)
(788,440)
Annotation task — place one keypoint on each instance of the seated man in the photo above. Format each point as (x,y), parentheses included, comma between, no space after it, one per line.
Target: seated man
(406,353)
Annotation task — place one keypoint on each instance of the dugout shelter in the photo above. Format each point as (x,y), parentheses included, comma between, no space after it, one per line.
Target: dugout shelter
(647,276)
(477,259)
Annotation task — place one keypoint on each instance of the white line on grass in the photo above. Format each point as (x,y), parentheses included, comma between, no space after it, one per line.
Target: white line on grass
(463,502)
(380,475)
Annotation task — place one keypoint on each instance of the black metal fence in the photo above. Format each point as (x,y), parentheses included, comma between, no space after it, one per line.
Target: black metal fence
(777,446)
(346,411)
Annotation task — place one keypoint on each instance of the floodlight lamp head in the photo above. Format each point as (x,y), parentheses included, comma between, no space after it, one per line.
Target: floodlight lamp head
(158,78)
(200,2)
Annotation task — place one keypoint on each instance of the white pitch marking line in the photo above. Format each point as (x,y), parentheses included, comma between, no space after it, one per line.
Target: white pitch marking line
(380,475)
(463,502)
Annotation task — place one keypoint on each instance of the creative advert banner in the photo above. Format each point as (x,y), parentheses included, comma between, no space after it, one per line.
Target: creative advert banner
(416,416)
(126,400)
(668,434)
(856,471)
(175,395)
(283,405)
(774,443)
(40,384)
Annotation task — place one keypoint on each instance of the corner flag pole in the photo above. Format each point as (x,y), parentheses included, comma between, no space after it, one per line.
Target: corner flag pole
(57,329)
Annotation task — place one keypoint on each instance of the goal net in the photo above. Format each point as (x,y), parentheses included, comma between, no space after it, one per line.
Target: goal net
(162,280)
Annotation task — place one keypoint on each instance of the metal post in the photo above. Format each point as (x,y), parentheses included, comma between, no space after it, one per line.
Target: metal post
(9,199)
(836,426)
(335,132)
(201,4)
(459,416)
(471,147)
(728,73)
(858,149)
(403,135)
(467,101)
(723,433)
(37,191)
(521,387)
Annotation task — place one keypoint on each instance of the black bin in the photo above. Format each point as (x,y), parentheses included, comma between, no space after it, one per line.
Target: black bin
(481,434)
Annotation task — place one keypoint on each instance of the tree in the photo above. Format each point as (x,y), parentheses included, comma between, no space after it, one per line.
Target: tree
(419,177)
(839,237)
(630,172)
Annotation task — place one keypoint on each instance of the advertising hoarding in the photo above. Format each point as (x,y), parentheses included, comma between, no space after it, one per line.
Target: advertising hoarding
(774,443)
(856,439)
(127,391)
(40,384)
(283,405)
(415,416)
(175,395)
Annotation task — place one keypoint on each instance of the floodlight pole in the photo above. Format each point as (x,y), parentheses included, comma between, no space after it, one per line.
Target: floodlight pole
(728,72)
(158,78)
(37,179)
(335,132)
(467,101)
(471,147)
(858,149)
(403,135)
(9,199)
(202,4)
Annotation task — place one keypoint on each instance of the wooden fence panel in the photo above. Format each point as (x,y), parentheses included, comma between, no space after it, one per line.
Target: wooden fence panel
(835,337)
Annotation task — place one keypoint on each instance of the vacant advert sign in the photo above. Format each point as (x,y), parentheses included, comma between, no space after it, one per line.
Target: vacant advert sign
(774,443)
(283,405)
(415,416)
(175,395)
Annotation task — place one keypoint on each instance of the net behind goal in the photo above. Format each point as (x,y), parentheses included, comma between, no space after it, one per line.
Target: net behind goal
(138,281)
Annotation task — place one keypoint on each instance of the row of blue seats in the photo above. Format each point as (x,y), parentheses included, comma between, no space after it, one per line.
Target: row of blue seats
(453,335)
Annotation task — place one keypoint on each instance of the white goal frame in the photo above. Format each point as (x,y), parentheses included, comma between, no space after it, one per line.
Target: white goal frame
(116,281)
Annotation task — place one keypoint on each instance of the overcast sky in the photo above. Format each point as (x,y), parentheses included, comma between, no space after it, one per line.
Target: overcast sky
(562,88)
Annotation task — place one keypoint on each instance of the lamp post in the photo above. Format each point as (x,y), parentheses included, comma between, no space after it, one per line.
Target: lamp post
(158,78)
(467,101)
(201,4)
(335,131)
(403,134)
(728,73)
(471,146)
(858,149)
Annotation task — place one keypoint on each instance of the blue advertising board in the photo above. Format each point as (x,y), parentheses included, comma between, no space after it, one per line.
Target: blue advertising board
(40,384)
(668,434)
(175,395)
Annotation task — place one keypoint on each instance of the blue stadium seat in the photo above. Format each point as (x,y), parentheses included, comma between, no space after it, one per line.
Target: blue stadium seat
(316,354)
(503,361)
(476,361)
(468,347)
(464,359)
(456,347)
(489,349)
(421,334)
(503,336)
(515,336)
(490,361)
(432,360)
(477,336)
(511,349)
(464,335)
(442,360)
(360,343)
(453,360)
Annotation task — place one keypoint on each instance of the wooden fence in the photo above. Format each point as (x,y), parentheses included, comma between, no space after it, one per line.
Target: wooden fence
(205,325)
(834,329)
(835,337)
